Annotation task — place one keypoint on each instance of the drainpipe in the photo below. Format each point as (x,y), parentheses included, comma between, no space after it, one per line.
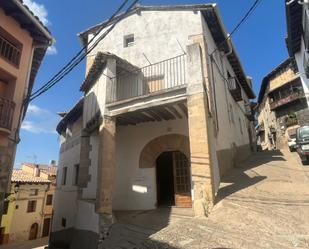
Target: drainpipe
(230,46)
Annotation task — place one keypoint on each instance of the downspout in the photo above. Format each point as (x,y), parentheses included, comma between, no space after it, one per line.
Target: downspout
(230,46)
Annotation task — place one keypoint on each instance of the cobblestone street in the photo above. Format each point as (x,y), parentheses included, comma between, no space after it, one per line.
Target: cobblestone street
(263,203)
(31,244)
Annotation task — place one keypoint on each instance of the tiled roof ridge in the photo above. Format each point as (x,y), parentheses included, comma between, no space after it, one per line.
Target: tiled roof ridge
(35,16)
(22,176)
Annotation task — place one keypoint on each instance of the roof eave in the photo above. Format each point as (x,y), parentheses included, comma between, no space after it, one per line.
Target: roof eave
(194,7)
(293,13)
(37,23)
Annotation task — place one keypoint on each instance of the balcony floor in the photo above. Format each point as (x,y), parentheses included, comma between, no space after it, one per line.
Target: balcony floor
(164,111)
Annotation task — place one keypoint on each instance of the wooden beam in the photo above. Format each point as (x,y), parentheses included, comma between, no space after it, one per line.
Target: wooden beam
(166,115)
(174,111)
(153,114)
(184,108)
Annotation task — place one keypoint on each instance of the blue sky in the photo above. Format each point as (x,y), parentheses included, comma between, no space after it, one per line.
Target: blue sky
(259,42)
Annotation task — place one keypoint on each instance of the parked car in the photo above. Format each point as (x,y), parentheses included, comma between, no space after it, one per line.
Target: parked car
(292,142)
(302,141)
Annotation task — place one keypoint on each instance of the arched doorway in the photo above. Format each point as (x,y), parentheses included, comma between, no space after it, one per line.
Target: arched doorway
(33,231)
(173,179)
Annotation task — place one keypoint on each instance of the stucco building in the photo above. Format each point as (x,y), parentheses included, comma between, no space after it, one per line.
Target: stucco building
(297,16)
(165,113)
(23,43)
(28,206)
(281,102)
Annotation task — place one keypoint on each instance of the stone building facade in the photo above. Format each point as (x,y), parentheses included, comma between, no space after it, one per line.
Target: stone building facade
(165,113)
(281,103)
(29,203)
(23,43)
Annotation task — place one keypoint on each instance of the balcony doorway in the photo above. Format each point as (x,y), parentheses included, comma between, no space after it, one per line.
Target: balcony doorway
(173,180)
(165,180)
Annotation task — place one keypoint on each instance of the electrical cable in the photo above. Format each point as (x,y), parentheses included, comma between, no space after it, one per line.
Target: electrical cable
(242,21)
(80,56)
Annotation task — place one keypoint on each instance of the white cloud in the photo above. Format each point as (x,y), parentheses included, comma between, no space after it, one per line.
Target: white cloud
(39,10)
(39,120)
(52,50)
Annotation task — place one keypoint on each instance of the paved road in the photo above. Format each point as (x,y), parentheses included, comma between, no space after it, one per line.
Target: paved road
(263,203)
(31,244)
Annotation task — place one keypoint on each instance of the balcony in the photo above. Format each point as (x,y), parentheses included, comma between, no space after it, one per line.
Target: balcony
(7,108)
(295,95)
(155,79)
(9,51)
(234,88)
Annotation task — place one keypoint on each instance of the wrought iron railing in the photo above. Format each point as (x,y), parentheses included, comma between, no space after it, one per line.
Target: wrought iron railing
(9,51)
(158,77)
(7,108)
(292,97)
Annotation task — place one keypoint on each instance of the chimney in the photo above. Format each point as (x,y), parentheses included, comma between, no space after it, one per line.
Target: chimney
(52,163)
(36,171)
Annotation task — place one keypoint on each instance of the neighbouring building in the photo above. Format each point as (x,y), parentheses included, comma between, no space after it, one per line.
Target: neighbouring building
(23,44)
(166,112)
(28,206)
(281,100)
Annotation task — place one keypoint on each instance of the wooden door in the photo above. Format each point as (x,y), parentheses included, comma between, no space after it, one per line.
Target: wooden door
(46,226)
(182,180)
(33,231)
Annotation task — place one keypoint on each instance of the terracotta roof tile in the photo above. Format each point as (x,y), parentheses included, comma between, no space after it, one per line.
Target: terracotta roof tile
(48,169)
(21,176)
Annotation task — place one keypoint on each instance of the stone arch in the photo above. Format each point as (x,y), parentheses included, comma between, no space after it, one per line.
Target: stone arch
(171,142)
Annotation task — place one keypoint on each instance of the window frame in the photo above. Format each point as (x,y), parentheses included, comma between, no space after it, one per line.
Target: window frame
(64,176)
(31,206)
(49,200)
(14,43)
(126,42)
(35,192)
(5,207)
(63,222)
(76,174)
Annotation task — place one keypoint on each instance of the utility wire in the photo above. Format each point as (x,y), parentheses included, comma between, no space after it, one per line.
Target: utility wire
(80,55)
(83,48)
(242,21)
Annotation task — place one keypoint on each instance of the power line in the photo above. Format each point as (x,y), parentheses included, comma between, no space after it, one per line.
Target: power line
(80,55)
(245,17)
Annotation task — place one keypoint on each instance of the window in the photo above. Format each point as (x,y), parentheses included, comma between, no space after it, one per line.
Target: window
(232,114)
(34,192)
(76,174)
(31,206)
(64,175)
(63,222)
(128,41)
(5,207)
(49,200)
(16,207)
(240,126)
(10,48)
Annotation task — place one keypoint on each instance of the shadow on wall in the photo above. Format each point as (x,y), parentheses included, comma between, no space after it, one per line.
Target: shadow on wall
(240,179)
